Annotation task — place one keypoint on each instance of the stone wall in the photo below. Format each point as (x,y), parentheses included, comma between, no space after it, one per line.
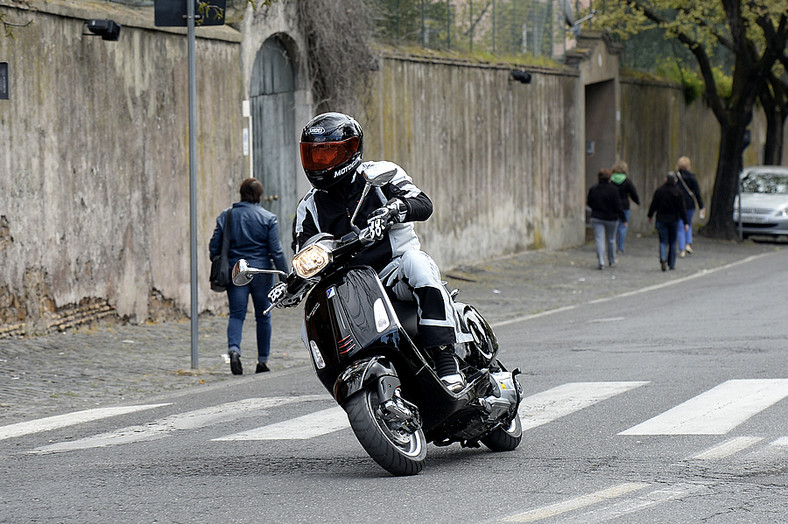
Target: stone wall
(94,173)
(502,160)
(658,126)
(94,169)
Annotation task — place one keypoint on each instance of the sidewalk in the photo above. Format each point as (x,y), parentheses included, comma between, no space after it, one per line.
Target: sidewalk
(101,366)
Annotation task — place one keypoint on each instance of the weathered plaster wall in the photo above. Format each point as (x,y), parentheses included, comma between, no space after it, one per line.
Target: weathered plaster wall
(500,159)
(658,126)
(94,173)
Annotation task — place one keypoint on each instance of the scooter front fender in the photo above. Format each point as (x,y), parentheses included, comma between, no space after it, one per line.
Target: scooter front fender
(368,372)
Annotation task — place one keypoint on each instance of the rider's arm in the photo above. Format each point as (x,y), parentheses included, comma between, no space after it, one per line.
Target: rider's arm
(417,203)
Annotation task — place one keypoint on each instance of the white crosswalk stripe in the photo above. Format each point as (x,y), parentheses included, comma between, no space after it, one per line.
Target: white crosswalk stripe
(69,419)
(183,421)
(559,508)
(300,428)
(535,410)
(716,411)
(780,442)
(560,401)
(727,448)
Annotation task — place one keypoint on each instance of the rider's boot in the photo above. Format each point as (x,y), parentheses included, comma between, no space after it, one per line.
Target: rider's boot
(448,369)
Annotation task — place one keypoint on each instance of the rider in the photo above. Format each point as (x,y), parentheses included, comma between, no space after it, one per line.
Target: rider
(331,148)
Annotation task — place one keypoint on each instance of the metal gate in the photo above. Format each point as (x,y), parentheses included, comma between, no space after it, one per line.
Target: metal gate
(272,96)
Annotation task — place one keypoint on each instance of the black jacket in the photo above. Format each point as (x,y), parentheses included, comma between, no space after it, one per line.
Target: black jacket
(626,190)
(668,204)
(690,184)
(604,202)
(329,211)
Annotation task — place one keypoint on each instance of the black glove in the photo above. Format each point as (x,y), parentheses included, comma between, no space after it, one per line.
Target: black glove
(276,293)
(379,220)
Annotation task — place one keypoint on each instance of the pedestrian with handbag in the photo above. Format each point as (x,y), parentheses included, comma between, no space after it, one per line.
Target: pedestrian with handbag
(688,185)
(252,233)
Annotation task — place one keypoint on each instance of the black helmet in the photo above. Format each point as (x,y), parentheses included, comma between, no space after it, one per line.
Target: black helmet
(331,147)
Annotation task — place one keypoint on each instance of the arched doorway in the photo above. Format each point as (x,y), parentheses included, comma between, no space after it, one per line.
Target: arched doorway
(272,106)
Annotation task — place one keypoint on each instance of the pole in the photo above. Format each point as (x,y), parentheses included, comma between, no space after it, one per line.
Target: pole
(192,182)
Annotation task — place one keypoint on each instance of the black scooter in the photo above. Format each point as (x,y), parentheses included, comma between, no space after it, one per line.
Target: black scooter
(365,349)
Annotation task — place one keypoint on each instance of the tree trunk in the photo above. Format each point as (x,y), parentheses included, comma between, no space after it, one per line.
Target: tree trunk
(773,148)
(726,183)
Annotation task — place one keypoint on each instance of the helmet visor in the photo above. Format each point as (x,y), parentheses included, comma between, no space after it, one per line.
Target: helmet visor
(318,156)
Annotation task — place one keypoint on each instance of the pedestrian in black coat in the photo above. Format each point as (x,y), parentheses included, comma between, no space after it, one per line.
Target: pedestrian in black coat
(626,191)
(668,204)
(605,214)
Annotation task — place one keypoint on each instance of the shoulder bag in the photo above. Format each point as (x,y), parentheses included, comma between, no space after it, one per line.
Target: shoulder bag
(220,264)
(687,189)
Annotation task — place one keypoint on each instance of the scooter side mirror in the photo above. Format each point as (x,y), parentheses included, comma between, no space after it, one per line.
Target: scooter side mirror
(241,274)
(378,175)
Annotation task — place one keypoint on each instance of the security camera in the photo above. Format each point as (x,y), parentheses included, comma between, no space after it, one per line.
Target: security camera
(106,29)
(521,76)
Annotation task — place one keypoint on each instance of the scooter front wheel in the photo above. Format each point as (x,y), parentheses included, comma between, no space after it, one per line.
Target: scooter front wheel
(397,451)
(505,438)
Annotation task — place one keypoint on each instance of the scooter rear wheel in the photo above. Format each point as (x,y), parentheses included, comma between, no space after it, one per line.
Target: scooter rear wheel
(397,451)
(505,438)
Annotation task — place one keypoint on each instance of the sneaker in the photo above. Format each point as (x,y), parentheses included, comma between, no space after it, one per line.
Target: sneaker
(235,363)
(682,253)
(689,249)
(663,264)
(601,266)
(262,367)
(454,382)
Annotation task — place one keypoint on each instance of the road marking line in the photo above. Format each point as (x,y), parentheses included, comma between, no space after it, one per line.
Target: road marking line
(637,503)
(299,428)
(782,441)
(563,400)
(610,319)
(701,273)
(727,448)
(559,508)
(716,411)
(182,421)
(69,419)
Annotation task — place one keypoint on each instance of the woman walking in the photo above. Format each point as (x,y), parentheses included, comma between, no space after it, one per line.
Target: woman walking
(688,185)
(606,211)
(668,205)
(626,191)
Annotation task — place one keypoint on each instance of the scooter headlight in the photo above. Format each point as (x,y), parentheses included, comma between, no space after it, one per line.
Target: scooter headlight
(311,261)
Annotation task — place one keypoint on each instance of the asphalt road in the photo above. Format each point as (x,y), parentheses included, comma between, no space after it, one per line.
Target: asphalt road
(664,403)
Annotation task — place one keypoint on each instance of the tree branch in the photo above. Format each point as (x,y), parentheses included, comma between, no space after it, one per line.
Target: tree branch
(696,48)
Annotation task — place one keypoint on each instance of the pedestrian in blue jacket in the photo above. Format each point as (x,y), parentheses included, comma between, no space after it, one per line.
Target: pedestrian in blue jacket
(254,236)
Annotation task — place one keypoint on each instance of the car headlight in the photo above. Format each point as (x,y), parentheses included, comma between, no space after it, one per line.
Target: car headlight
(311,261)
(782,213)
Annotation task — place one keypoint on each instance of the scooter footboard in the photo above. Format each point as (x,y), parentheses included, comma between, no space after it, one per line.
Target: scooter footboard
(377,371)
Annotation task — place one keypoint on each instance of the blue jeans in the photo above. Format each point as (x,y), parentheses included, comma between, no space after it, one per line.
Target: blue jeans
(686,238)
(622,231)
(668,231)
(605,237)
(238,296)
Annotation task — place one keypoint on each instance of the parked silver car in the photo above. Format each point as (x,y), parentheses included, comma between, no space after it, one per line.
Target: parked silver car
(764,201)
